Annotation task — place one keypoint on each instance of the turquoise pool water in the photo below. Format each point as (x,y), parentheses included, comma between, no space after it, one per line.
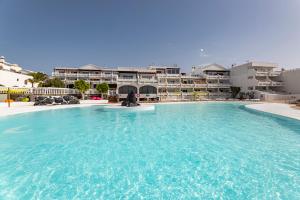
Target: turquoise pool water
(188,151)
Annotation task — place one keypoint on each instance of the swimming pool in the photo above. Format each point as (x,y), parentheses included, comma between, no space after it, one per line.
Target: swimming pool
(185,151)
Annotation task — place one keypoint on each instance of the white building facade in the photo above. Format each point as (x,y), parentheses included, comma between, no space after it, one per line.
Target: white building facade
(12,75)
(257,76)
(291,79)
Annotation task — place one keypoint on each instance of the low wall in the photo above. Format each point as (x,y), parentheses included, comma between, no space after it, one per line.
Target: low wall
(279,97)
(93,101)
(17,104)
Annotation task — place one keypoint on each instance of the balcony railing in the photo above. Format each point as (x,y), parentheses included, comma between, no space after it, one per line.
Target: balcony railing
(264,83)
(172,85)
(187,85)
(217,76)
(275,73)
(127,80)
(275,83)
(147,80)
(80,75)
(201,85)
(169,75)
(261,73)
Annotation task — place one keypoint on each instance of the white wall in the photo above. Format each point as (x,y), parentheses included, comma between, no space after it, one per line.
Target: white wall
(12,79)
(239,77)
(291,79)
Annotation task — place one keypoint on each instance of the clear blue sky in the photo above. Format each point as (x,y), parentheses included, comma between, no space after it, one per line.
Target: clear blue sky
(41,34)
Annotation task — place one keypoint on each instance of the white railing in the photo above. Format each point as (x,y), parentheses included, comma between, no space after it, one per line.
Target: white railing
(274,83)
(187,85)
(216,76)
(213,85)
(53,91)
(176,85)
(264,83)
(127,80)
(275,73)
(169,75)
(147,80)
(261,73)
(201,85)
(80,75)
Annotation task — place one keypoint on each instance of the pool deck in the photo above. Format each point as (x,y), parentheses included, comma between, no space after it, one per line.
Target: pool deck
(282,109)
(20,107)
(274,108)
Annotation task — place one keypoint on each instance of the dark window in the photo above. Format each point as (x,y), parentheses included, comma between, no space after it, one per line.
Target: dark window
(148,90)
(127,89)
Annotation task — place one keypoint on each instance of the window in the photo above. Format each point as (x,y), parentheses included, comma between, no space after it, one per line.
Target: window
(146,77)
(127,89)
(127,77)
(250,77)
(148,90)
(250,88)
(173,71)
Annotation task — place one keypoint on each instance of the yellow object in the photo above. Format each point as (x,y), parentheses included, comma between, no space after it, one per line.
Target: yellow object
(13,90)
(8,100)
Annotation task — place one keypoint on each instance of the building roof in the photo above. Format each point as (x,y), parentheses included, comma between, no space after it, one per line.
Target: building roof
(90,67)
(163,67)
(210,67)
(214,67)
(135,69)
(258,64)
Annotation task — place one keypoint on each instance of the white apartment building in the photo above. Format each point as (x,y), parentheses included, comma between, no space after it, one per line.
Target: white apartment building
(216,79)
(291,79)
(12,75)
(164,83)
(121,80)
(257,77)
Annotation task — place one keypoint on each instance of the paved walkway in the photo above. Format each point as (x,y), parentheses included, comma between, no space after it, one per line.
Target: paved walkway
(20,107)
(278,109)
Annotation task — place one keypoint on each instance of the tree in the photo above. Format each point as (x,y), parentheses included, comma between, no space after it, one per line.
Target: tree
(102,88)
(82,86)
(235,91)
(54,82)
(37,77)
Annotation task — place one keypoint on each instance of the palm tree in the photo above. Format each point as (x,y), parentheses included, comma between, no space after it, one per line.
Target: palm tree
(37,77)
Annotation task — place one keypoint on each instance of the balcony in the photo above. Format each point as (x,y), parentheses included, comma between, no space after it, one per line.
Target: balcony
(261,73)
(174,93)
(212,85)
(173,85)
(187,85)
(207,76)
(200,85)
(212,76)
(264,83)
(275,83)
(169,75)
(142,80)
(148,95)
(80,75)
(127,80)
(275,73)
(187,93)
(169,85)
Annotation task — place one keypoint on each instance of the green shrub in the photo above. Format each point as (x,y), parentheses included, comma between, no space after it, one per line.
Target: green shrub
(25,99)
